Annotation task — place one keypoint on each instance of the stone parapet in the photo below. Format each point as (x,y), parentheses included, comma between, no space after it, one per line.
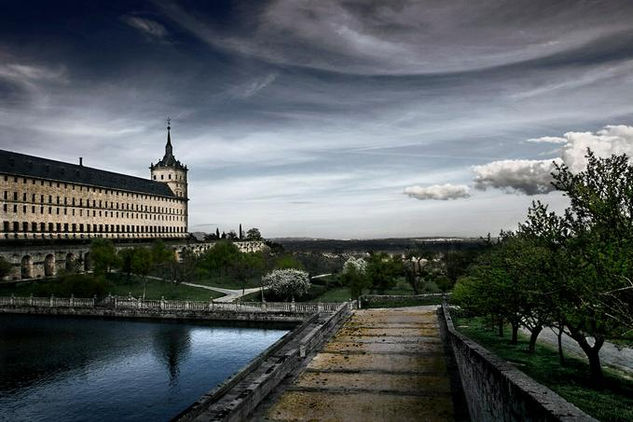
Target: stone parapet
(496,391)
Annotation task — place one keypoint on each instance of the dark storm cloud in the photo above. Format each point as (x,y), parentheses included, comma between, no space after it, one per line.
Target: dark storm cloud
(298,116)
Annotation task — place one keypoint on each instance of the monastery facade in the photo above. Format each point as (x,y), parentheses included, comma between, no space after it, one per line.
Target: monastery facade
(47,199)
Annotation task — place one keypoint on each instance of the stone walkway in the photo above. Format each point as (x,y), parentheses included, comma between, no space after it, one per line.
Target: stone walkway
(382,365)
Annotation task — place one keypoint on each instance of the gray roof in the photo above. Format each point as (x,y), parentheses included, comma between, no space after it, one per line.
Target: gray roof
(43,168)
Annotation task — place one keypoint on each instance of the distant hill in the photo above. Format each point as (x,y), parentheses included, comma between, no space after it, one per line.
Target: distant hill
(390,245)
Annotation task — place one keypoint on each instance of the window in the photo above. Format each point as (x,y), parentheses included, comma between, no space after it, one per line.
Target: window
(42,227)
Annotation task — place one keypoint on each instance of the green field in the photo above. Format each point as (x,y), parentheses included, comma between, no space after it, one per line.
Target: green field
(336,294)
(115,284)
(614,403)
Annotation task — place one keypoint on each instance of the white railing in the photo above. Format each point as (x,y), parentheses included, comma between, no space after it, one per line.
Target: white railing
(132,303)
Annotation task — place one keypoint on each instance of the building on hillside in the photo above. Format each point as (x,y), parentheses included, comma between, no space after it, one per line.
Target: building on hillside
(47,199)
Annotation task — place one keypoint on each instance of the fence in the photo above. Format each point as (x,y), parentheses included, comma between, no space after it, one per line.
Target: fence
(131,303)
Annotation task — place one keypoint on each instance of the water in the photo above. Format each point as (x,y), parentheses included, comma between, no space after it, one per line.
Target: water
(73,369)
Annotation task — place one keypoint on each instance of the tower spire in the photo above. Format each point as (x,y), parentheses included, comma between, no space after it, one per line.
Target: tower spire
(168,147)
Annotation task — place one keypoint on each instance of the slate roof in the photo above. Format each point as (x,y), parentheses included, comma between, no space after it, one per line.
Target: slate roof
(28,165)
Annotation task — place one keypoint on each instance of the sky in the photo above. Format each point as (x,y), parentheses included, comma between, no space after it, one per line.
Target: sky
(329,118)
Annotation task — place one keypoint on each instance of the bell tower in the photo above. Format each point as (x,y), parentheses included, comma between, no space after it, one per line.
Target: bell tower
(169,170)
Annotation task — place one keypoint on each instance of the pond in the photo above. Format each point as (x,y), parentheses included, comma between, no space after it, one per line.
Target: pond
(77,369)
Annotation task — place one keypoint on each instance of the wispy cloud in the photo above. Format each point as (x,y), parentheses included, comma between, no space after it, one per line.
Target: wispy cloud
(148,27)
(438,192)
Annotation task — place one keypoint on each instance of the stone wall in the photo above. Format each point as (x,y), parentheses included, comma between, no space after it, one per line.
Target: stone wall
(236,399)
(497,391)
(41,261)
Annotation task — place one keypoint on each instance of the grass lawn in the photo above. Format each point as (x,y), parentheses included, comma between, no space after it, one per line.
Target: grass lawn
(155,289)
(612,404)
(226,282)
(116,284)
(336,294)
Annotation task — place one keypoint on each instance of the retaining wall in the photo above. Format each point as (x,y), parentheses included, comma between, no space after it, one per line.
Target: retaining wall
(497,391)
(236,399)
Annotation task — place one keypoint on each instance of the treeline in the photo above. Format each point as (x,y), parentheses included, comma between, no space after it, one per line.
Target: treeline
(425,270)
(570,270)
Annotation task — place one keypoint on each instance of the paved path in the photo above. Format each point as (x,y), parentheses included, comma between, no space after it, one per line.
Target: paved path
(611,355)
(230,294)
(382,365)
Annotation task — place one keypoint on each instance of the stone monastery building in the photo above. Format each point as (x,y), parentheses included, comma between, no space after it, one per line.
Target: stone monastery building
(47,199)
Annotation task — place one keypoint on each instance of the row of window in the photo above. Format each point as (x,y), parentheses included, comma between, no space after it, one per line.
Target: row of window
(112,214)
(93,189)
(113,205)
(162,177)
(35,227)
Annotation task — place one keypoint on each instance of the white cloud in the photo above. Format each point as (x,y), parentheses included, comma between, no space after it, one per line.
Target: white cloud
(146,26)
(604,143)
(547,140)
(528,176)
(534,176)
(438,192)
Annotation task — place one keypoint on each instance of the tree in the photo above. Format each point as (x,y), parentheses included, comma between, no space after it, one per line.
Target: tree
(103,255)
(125,261)
(288,261)
(185,270)
(142,264)
(253,234)
(163,257)
(232,235)
(287,283)
(354,275)
(246,267)
(383,270)
(220,258)
(5,268)
(597,246)
(420,266)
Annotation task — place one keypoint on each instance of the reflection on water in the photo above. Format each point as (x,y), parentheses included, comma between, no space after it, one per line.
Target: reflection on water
(71,369)
(171,345)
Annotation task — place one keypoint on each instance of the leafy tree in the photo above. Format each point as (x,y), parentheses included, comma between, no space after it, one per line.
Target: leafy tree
(354,275)
(5,267)
(288,261)
(220,258)
(246,267)
(419,267)
(103,255)
(142,264)
(232,235)
(125,261)
(383,271)
(186,269)
(163,257)
(287,283)
(253,234)
(597,243)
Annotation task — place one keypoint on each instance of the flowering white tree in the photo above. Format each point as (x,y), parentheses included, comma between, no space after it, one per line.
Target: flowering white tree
(358,264)
(287,283)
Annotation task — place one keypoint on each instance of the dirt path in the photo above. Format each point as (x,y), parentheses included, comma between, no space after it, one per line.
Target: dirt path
(611,355)
(382,365)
